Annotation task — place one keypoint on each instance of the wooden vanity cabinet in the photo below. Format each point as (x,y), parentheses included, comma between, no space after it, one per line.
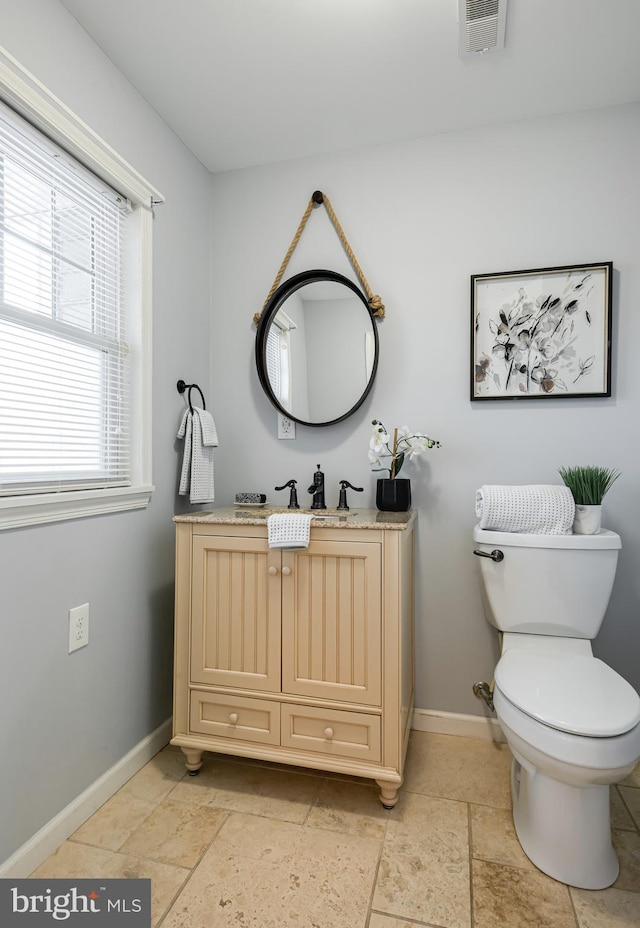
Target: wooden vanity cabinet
(301,656)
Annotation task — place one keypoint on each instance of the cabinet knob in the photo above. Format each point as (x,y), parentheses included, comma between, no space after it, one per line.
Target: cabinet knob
(328,733)
(286,571)
(273,571)
(233,717)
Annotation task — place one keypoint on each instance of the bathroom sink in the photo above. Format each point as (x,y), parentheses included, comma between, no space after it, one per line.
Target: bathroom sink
(329,514)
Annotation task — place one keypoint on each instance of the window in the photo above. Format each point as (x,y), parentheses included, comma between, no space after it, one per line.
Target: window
(278,357)
(74,315)
(64,372)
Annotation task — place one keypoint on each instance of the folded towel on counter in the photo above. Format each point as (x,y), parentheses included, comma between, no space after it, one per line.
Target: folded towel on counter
(289,530)
(537,509)
(200,438)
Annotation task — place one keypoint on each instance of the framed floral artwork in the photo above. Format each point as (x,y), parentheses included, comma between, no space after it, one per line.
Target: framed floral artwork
(541,333)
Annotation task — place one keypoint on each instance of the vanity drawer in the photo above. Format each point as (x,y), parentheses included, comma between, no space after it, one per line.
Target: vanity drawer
(331,731)
(234,717)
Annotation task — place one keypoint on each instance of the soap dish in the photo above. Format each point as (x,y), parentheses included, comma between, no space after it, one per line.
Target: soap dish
(249,499)
(251,505)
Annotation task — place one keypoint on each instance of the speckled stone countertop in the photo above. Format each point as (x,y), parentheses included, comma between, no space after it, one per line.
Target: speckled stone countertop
(353,518)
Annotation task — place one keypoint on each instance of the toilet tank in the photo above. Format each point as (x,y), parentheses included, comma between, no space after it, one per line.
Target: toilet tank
(547,584)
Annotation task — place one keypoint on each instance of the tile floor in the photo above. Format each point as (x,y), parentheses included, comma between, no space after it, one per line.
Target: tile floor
(265,846)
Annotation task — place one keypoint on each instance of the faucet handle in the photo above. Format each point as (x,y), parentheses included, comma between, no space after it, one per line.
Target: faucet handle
(342,502)
(293,496)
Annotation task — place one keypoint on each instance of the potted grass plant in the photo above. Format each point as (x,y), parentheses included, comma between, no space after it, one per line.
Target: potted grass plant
(589,485)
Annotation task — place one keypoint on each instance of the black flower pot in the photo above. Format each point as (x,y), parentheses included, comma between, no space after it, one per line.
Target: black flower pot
(393,495)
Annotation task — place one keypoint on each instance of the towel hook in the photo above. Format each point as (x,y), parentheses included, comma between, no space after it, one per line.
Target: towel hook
(182,386)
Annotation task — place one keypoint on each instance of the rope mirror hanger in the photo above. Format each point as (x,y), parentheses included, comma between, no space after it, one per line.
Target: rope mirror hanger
(318,199)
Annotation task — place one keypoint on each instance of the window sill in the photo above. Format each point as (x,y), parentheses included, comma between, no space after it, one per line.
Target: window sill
(19,511)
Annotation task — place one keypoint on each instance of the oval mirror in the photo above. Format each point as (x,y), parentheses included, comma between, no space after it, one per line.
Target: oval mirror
(317,348)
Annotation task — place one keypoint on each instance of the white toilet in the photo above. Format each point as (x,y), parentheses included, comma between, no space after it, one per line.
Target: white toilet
(571,722)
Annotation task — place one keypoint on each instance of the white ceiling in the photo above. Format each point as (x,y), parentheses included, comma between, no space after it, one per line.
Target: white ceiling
(247,82)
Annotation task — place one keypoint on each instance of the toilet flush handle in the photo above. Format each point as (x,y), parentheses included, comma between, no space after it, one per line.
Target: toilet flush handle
(495,555)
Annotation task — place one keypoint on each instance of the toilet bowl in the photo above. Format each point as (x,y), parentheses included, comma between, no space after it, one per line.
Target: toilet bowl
(571,722)
(560,780)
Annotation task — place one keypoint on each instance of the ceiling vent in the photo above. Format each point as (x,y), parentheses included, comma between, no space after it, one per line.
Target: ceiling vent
(481,26)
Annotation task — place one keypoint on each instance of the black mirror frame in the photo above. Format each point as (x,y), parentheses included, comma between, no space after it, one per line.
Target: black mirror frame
(284,291)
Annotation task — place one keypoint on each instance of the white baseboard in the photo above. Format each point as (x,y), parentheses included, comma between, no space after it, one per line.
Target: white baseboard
(451,723)
(34,851)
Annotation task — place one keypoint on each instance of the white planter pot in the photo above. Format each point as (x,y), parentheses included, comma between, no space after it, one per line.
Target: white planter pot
(587,520)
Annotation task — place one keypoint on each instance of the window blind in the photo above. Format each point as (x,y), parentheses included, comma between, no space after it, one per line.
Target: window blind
(274,363)
(64,367)
(277,360)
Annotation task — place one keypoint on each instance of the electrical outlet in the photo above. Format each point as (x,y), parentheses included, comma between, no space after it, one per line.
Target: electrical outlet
(286,427)
(78,627)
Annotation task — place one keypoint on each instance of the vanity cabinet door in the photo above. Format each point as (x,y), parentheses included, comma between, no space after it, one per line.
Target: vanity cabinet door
(331,622)
(235,613)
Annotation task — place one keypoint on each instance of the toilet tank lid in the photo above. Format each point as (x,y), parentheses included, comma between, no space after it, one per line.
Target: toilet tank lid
(604,539)
(573,693)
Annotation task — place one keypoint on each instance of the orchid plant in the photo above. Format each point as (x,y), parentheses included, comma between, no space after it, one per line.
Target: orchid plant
(403,444)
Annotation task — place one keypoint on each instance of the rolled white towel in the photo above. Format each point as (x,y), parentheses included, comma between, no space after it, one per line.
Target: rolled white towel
(289,530)
(536,509)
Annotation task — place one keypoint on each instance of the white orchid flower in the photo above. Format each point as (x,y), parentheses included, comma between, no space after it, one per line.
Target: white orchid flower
(405,444)
(379,436)
(374,459)
(378,446)
(418,445)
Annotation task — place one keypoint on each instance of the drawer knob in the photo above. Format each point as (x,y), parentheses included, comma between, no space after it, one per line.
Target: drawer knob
(233,717)
(286,571)
(328,733)
(273,571)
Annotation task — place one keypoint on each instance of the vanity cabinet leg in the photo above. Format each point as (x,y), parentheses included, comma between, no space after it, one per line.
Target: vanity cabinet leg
(388,793)
(193,761)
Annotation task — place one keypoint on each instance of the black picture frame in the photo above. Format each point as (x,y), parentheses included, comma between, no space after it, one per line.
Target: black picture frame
(543,333)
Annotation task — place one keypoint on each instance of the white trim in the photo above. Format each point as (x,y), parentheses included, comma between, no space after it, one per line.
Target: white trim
(34,851)
(45,841)
(18,511)
(27,96)
(284,321)
(144,425)
(452,723)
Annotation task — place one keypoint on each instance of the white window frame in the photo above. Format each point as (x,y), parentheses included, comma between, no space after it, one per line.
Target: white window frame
(29,98)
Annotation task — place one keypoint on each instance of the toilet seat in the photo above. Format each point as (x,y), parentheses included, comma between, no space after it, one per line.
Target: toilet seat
(573,693)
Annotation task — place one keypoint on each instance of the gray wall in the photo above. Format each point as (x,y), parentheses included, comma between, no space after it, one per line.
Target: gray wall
(421,217)
(66,719)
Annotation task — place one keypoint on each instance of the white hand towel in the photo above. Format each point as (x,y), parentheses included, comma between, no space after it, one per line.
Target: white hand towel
(536,509)
(209,433)
(186,432)
(200,438)
(289,530)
